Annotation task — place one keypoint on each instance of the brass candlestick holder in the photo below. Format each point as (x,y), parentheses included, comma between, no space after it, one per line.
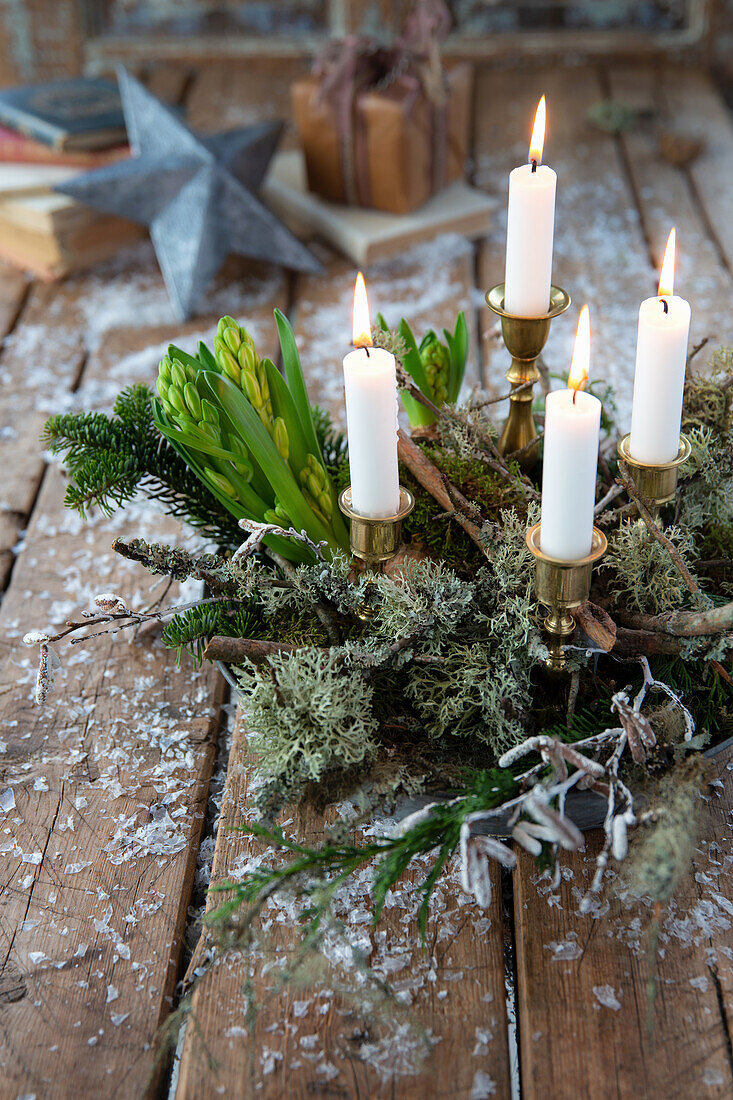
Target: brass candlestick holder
(656,482)
(524,338)
(561,586)
(374,540)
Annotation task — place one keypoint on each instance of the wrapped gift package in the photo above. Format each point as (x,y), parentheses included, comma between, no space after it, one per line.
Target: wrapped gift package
(390,146)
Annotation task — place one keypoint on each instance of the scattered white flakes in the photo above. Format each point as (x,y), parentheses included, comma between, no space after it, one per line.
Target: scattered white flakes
(701,983)
(40,783)
(35,637)
(606,995)
(75,868)
(37,957)
(7,800)
(724,903)
(122,950)
(564,951)
(31,857)
(112,993)
(712,1078)
(300,1008)
(483,1086)
(81,951)
(236,1031)
(118,1018)
(92,1042)
(27,882)
(80,802)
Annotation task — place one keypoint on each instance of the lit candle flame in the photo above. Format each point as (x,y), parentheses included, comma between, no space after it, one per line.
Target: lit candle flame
(537,141)
(666,278)
(581,353)
(362,329)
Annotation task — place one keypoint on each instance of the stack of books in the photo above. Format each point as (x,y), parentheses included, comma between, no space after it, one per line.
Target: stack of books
(48,134)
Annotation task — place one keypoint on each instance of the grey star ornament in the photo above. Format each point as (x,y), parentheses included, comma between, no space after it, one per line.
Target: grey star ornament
(197,195)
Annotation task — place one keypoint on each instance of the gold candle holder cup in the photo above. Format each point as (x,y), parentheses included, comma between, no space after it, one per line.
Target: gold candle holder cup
(655,482)
(524,339)
(374,539)
(562,586)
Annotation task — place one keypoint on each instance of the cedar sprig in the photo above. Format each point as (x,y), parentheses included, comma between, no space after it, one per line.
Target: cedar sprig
(317,873)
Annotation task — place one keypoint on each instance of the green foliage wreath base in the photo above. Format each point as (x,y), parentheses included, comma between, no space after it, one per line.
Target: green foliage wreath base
(448,676)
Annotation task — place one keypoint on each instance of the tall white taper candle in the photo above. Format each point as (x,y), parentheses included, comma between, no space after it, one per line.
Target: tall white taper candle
(659,380)
(370,380)
(530,230)
(572,428)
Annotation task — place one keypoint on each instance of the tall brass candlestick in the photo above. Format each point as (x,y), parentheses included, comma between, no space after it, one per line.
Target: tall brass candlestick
(562,586)
(524,338)
(374,540)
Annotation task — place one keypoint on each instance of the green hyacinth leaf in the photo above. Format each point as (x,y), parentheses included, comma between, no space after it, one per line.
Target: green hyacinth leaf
(206,358)
(290,550)
(266,454)
(458,348)
(412,361)
(296,381)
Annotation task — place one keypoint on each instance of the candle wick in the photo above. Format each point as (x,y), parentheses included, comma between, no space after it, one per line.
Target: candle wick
(665,305)
(534,164)
(366,349)
(575,394)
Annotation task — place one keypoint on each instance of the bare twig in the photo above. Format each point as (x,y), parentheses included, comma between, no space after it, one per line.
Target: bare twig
(614,492)
(235,651)
(656,532)
(431,479)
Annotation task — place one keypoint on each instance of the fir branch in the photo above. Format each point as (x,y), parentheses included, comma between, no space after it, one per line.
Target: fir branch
(109,459)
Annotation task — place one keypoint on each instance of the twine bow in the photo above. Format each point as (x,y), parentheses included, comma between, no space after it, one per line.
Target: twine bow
(349,66)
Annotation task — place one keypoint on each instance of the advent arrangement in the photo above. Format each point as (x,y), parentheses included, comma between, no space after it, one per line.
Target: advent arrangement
(432,618)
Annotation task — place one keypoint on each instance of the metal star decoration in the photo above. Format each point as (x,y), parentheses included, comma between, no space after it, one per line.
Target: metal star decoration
(198,195)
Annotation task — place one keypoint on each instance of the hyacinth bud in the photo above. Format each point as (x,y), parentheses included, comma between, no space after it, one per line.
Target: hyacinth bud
(223,484)
(227,361)
(192,399)
(176,401)
(209,413)
(314,486)
(280,436)
(282,516)
(179,377)
(270,517)
(248,358)
(435,358)
(325,503)
(164,369)
(251,387)
(163,386)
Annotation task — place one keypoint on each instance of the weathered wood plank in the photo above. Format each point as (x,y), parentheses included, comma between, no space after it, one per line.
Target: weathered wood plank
(110,781)
(444,1035)
(98,853)
(588,1025)
(665,199)
(695,107)
(229,94)
(600,254)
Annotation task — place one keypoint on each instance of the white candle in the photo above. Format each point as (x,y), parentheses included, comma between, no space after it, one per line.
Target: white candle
(530,230)
(370,380)
(572,427)
(661,359)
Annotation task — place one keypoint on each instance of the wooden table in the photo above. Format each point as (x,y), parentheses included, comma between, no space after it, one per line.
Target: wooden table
(119,780)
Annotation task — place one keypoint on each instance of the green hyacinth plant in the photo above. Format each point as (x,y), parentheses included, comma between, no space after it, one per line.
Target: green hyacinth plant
(436,368)
(248,434)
